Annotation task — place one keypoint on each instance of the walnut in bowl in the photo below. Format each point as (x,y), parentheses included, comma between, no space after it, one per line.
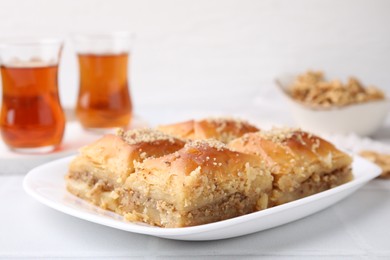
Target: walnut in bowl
(332,106)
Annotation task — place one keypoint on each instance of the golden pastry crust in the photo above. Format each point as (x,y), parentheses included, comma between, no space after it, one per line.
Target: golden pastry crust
(201,183)
(116,154)
(222,129)
(109,161)
(146,175)
(302,164)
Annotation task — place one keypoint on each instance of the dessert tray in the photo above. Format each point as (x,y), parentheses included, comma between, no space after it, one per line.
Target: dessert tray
(46,184)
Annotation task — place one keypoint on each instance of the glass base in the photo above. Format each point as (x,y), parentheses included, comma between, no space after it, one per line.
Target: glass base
(34,150)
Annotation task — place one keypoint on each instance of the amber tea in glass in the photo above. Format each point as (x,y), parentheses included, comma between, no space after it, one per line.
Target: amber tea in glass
(104,100)
(31,117)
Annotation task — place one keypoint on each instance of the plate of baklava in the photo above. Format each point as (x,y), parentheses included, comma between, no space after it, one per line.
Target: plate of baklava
(205,179)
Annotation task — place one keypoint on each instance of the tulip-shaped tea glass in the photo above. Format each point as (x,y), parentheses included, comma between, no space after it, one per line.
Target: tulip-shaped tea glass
(32,119)
(104,100)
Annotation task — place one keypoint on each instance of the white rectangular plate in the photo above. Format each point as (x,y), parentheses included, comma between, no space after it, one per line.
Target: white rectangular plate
(46,183)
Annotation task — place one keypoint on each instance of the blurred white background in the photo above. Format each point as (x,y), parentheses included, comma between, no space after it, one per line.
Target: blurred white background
(220,52)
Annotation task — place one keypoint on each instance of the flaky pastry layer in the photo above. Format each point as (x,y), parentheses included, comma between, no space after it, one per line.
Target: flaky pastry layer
(302,164)
(155,178)
(221,129)
(201,183)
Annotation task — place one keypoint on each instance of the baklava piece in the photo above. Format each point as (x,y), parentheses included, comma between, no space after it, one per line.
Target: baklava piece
(221,129)
(151,177)
(103,166)
(301,164)
(202,183)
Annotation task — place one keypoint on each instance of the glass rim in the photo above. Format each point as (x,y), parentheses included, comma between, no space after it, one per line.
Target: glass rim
(29,41)
(102,35)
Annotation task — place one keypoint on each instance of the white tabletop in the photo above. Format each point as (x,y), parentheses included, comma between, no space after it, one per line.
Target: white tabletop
(357,227)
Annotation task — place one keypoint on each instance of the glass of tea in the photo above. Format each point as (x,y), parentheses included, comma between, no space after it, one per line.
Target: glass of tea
(104,100)
(31,119)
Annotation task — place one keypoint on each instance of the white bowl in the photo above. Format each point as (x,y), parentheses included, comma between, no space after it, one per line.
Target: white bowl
(362,119)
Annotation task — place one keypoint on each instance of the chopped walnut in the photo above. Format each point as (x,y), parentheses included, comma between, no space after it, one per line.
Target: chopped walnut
(383,161)
(207,142)
(146,135)
(313,89)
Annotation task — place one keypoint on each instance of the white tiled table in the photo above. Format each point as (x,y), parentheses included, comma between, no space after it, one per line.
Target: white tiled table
(356,228)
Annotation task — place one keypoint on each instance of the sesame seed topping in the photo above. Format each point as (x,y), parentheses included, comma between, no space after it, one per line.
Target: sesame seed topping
(316,145)
(145,135)
(223,122)
(207,142)
(280,135)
